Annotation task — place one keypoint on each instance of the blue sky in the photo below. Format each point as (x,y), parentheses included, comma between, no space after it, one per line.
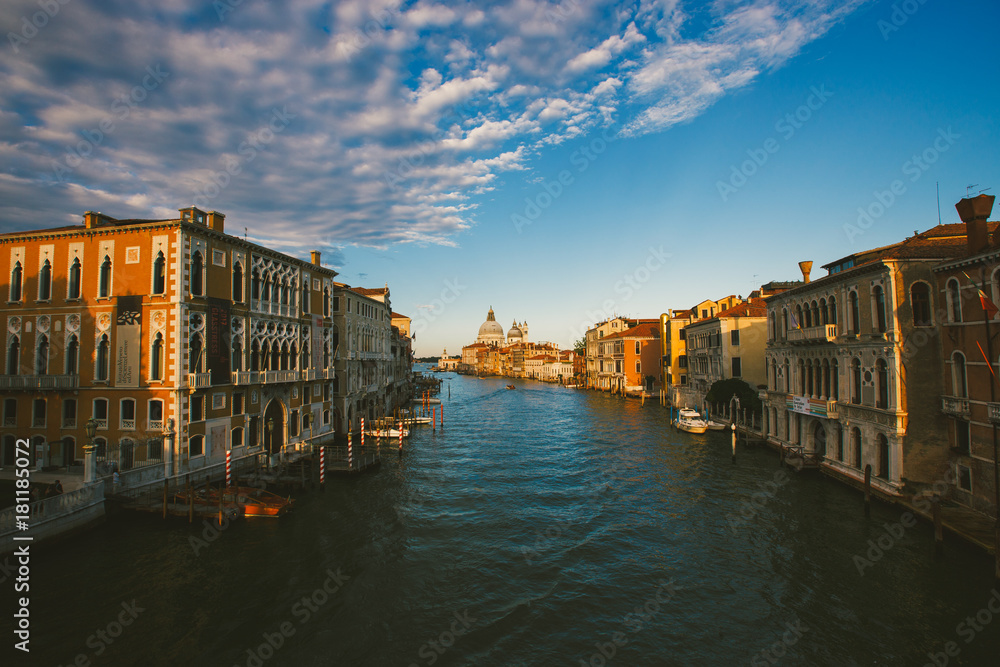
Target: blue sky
(560,161)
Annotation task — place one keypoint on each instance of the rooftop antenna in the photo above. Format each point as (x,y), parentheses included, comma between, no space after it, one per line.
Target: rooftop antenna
(937,185)
(968,189)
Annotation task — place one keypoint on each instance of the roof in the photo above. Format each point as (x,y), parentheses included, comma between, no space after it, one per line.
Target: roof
(648,329)
(752,308)
(397,316)
(369,291)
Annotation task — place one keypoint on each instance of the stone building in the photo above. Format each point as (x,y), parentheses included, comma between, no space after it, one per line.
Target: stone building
(143,324)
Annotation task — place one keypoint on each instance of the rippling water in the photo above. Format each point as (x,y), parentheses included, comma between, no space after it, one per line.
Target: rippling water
(542,526)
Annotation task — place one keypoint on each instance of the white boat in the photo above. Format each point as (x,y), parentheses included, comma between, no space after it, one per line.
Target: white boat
(386,433)
(428,401)
(716,426)
(416,421)
(689,420)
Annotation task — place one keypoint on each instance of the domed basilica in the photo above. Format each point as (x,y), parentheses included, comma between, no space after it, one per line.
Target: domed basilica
(491,333)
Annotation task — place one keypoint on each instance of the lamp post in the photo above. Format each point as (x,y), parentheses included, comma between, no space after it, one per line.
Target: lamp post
(269,425)
(89,453)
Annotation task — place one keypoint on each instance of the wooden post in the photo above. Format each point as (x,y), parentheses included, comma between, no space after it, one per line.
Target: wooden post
(868,490)
(434,418)
(166,483)
(222,494)
(190,502)
(938,528)
(442,412)
(734,442)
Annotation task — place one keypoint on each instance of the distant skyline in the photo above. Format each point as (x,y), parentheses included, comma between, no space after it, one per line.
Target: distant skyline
(561,162)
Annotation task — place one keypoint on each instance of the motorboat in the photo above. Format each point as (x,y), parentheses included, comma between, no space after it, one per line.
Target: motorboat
(690,421)
(257,502)
(386,433)
(510,386)
(716,426)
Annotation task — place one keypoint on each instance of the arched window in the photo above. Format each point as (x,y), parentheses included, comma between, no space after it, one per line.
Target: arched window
(856,381)
(854,323)
(197,268)
(882,376)
(196,358)
(275,356)
(284,292)
(103,368)
(13,356)
(75,271)
(815,314)
(159,274)
(293,357)
(784,323)
(276,290)
(797,320)
(879,297)
(237,355)
(305,295)
(156,358)
(16,275)
(255,285)
(824,316)
(45,282)
(883,457)
(104,279)
(42,355)
(72,355)
(920,301)
(856,446)
(254,356)
(788,377)
(100,412)
(127,412)
(326,302)
(954,301)
(284,356)
(237,282)
(833,310)
(808,318)
(155,408)
(838,437)
(959,380)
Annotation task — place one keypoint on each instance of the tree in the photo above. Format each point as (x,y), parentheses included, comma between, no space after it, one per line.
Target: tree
(580,347)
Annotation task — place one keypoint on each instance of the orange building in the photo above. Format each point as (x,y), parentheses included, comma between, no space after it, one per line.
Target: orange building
(160,330)
(630,360)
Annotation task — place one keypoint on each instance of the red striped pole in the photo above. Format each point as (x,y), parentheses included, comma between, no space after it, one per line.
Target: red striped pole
(400,438)
(229,467)
(322,465)
(362,435)
(350,450)
(434,419)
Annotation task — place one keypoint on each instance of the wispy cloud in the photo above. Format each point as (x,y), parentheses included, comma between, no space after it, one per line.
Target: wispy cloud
(405,115)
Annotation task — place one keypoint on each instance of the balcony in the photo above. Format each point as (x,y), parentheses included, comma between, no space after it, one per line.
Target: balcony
(128,425)
(280,376)
(994,412)
(33,382)
(311,374)
(956,406)
(817,407)
(155,425)
(199,380)
(246,377)
(824,333)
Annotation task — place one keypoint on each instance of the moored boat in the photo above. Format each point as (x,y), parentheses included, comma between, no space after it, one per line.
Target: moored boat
(386,433)
(716,426)
(254,501)
(690,421)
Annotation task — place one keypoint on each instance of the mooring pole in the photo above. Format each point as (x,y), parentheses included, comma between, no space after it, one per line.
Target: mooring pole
(868,490)
(938,528)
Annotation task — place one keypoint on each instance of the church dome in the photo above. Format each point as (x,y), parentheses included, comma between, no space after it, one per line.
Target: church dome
(490,329)
(514,332)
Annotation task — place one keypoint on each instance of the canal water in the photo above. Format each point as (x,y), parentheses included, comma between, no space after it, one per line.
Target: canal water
(541,526)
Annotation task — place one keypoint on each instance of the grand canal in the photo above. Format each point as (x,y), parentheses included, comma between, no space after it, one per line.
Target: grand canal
(542,526)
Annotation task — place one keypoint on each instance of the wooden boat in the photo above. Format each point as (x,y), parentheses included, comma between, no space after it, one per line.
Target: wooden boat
(255,502)
(510,386)
(690,421)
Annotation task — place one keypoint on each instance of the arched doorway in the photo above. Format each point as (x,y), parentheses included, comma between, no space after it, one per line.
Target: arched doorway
(819,439)
(274,427)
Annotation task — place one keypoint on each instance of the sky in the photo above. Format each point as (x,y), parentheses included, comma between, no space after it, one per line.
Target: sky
(562,162)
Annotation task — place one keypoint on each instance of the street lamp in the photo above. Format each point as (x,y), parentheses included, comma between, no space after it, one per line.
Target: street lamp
(89,462)
(270,436)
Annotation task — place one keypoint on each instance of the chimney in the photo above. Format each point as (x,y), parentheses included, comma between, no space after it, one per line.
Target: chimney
(315,255)
(806,268)
(91,219)
(217,221)
(974,212)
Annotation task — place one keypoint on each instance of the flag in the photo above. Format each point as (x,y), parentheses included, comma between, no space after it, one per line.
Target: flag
(989,307)
(795,321)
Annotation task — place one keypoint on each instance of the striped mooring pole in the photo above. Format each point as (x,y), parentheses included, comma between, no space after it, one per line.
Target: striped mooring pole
(362,436)
(229,468)
(350,449)
(401,438)
(322,466)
